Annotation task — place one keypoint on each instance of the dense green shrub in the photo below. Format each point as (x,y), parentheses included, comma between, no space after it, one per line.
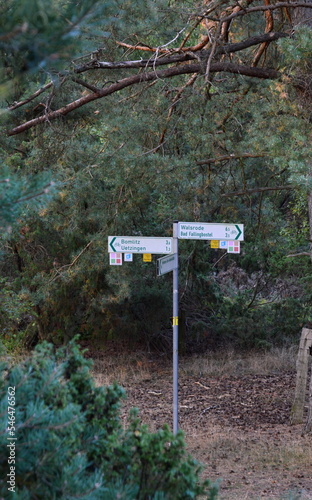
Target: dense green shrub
(16,315)
(263,326)
(70,442)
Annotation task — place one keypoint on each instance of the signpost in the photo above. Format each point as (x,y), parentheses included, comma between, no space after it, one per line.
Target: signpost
(139,244)
(225,236)
(207,231)
(175,331)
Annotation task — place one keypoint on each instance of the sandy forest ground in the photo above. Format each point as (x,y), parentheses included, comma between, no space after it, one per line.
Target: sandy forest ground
(234,411)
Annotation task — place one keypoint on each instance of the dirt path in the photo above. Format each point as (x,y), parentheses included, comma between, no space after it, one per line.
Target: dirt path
(236,426)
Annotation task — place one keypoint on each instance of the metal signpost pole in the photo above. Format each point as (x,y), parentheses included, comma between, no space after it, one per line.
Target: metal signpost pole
(175,330)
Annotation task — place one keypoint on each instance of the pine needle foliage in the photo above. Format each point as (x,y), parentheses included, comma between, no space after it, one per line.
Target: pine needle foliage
(213,146)
(38,35)
(20,195)
(71,442)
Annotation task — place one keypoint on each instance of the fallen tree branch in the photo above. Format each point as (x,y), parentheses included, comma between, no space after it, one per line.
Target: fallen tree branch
(111,87)
(141,78)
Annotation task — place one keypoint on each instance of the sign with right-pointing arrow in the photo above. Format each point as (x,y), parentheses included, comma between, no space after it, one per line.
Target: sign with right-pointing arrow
(206,231)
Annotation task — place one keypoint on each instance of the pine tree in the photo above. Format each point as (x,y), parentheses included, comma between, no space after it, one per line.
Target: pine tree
(70,441)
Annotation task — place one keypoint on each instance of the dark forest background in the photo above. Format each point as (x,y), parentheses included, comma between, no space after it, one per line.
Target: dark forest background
(118,118)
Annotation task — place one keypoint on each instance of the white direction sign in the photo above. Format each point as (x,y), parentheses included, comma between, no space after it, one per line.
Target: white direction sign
(167,264)
(139,244)
(206,231)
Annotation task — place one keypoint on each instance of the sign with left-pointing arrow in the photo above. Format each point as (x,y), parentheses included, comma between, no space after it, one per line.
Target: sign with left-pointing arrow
(139,244)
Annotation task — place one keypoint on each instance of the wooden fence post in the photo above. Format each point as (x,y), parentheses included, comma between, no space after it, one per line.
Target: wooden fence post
(308,425)
(297,409)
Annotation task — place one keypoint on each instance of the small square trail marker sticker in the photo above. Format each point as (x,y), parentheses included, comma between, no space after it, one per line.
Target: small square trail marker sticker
(128,257)
(233,247)
(224,244)
(115,259)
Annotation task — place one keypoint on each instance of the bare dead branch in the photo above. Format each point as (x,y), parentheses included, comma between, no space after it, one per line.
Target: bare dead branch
(44,190)
(178,58)
(66,267)
(93,88)
(300,254)
(146,48)
(229,157)
(144,77)
(259,8)
(176,98)
(16,105)
(159,61)
(257,190)
(209,60)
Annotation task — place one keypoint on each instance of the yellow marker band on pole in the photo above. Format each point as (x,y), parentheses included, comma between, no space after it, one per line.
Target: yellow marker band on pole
(175,321)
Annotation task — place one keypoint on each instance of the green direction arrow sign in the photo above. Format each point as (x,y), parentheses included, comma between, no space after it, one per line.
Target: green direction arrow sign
(208,231)
(111,244)
(239,232)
